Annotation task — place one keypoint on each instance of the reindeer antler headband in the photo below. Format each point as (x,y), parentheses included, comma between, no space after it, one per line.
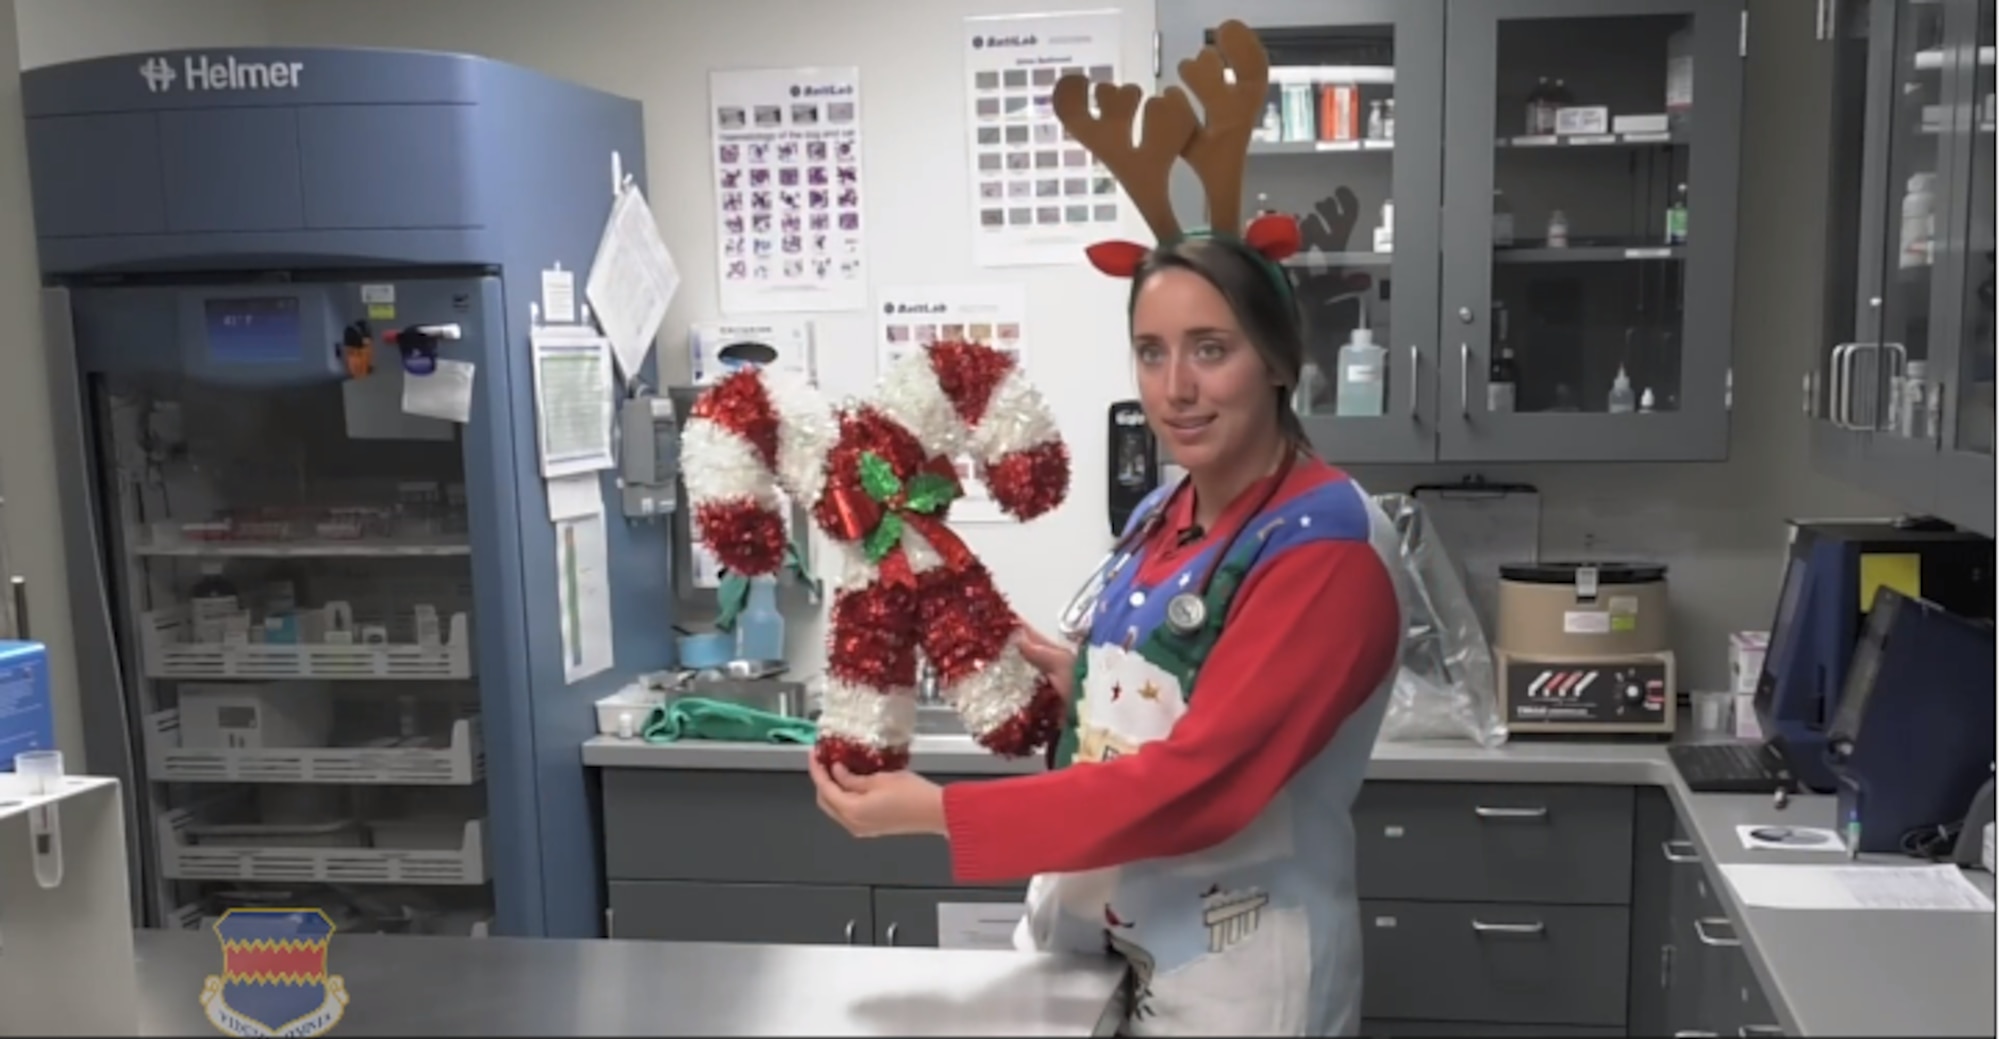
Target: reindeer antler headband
(1216,144)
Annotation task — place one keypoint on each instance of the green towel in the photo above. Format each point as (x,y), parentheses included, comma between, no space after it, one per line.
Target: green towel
(699,718)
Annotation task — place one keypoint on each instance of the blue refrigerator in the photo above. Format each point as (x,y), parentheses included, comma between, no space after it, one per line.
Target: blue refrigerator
(320,631)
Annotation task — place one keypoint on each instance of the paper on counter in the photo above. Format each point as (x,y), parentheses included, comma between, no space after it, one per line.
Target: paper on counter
(583,579)
(978,925)
(1849,887)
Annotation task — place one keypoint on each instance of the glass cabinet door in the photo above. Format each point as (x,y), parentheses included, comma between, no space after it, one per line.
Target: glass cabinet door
(1348,144)
(1889,389)
(1589,240)
(1974,410)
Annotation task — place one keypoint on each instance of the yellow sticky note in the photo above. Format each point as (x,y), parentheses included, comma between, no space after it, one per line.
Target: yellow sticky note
(381,312)
(1896,571)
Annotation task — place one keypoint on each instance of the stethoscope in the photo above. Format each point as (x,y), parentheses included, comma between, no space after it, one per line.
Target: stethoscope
(1187,611)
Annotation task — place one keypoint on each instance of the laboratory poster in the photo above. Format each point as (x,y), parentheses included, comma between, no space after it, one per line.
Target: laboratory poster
(911,318)
(787,153)
(1038,196)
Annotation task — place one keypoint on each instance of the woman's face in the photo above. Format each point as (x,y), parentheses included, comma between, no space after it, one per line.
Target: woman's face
(1206,390)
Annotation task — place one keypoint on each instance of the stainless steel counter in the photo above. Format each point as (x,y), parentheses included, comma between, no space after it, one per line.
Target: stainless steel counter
(1871,972)
(522,986)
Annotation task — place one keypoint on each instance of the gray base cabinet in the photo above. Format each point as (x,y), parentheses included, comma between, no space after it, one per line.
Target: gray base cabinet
(748,857)
(1488,909)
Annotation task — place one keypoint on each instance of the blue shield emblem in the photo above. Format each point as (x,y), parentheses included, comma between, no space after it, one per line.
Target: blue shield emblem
(274,980)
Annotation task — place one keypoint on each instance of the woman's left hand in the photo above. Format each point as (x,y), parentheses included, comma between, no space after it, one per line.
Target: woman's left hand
(886,804)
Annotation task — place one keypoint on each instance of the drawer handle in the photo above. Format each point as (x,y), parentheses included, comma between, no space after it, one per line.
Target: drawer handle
(1757,1030)
(850,932)
(1510,813)
(1692,1034)
(1483,927)
(1701,932)
(890,934)
(1672,850)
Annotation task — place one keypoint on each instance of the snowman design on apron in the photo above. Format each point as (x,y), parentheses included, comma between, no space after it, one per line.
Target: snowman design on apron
(1259,934)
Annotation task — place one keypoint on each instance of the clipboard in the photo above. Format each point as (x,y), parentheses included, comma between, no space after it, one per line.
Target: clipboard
(1482,525)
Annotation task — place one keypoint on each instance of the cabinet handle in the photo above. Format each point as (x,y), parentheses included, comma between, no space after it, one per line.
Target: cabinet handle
(890,934)
(1413,382)
(1701,933)
(1464,379)
(1510,813)
(1692,1034)
(1671,849)
(1482,927)
(850,932)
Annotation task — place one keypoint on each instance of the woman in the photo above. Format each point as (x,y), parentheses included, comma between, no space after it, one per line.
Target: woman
(1211,840)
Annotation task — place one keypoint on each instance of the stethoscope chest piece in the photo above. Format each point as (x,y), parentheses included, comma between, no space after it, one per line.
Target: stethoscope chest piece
(1186,613)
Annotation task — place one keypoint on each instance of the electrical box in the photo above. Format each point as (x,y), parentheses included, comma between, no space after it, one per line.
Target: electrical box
(650,449)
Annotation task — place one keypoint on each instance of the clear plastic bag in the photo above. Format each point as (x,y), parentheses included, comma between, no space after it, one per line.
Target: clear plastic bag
(1446,688)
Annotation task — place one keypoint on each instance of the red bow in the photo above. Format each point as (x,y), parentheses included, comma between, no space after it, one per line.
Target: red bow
(860,514)
(1275,236)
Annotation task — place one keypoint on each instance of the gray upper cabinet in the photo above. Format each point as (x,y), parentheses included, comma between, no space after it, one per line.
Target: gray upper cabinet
(1427,201)
(1901,388)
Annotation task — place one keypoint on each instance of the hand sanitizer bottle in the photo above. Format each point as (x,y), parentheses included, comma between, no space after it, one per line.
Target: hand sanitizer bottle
(1621,394)
(1362,388)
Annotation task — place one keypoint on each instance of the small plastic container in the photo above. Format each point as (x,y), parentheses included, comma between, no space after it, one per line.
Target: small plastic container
(41,770)
(1714,715)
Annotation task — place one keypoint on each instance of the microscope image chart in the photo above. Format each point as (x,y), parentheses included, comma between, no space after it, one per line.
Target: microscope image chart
(327,580)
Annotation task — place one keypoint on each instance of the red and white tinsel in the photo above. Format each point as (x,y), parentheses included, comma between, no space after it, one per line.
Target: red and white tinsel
(758,432)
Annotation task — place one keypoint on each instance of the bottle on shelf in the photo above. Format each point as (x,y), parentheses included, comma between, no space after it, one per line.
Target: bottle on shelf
(1646,401)
(1274,125)
(1503,220)
(1620,401)
(1914,243)
(1912,402)
(1677,217)
(1558,229)
(212,602)
(1385,232)
(1504,371)
(1541,115)
(1389,119)
(1374,120)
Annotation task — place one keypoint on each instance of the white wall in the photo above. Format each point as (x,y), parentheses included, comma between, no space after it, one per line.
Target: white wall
(1715,524)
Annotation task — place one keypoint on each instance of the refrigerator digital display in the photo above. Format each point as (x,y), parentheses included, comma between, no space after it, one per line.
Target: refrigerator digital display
(263,330)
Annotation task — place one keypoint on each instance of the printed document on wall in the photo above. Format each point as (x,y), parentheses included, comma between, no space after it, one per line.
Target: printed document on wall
(787,154)
(632,280)
(1039,196)
(911,318)
(573,399)
(583,581)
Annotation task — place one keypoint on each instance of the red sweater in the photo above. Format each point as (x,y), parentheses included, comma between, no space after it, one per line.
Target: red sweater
(1310,637)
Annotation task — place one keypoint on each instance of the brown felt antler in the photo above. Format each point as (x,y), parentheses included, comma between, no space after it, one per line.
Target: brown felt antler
(1230,111)
(1144,168)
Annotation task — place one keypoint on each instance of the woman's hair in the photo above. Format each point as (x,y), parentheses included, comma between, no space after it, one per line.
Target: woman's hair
(1259,294)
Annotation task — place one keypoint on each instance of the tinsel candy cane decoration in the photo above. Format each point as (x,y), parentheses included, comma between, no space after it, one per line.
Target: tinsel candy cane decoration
(878,478)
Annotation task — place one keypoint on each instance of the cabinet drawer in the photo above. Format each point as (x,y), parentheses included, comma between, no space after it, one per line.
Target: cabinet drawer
(663,824)
(978,918)
(781,914)
(1495,842)
(1516,964)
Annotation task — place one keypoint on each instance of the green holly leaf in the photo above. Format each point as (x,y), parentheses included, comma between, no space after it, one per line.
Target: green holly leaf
(886,535)
(878,478)
(732,594)
(930,492)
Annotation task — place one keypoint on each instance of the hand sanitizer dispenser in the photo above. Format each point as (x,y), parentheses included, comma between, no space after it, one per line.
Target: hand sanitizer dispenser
(1362,384)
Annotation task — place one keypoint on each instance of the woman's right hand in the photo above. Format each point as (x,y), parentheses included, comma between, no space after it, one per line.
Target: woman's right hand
(1054,659)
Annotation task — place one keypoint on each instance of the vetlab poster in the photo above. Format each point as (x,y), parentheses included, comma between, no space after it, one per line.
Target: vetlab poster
(1039,196)
(787,154)
(911,318)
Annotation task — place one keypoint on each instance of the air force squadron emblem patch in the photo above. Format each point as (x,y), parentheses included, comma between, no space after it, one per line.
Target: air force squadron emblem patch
(274,980)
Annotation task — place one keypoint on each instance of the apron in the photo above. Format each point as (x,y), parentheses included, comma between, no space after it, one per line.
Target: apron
(1259,935)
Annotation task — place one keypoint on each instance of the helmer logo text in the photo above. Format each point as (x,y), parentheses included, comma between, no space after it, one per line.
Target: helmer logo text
(199,72)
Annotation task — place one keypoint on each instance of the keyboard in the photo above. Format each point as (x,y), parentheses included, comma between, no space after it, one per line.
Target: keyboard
(1727,768)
